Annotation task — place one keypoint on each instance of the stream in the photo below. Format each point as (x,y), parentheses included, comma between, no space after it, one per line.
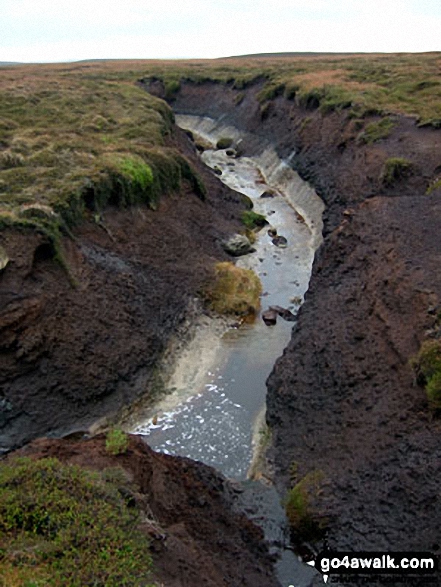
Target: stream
(214,410)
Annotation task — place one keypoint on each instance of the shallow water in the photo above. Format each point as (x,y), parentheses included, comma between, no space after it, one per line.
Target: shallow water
(212,418)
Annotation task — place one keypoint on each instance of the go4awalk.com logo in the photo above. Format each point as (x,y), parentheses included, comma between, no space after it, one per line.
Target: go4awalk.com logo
(405,565)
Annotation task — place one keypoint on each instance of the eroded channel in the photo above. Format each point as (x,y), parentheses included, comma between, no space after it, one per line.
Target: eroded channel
(217,395)
(215,407)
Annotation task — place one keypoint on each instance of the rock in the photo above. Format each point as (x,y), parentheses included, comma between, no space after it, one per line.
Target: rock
(280,241)
(283,313)
(217,171)
(4,259)
(238,245)
(231,153)
(269,317)
(272,232)
(268,194)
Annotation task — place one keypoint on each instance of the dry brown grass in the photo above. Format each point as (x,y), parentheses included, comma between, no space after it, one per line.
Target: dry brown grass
(233,291)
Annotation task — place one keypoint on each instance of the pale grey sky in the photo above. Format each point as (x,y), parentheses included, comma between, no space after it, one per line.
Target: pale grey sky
(61,30)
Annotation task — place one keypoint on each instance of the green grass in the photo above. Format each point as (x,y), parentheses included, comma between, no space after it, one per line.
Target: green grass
(117,442)
(395,169)
(302,515)
(233,291)
(63,526)
(75,142)
(377,130)
(364,85)
(253,220)
(427,367)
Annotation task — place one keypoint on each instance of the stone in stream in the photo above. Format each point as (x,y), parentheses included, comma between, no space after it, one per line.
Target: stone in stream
(280,241)
(268,194)
(238,245)
(283,313)
(269,317)
(272,232)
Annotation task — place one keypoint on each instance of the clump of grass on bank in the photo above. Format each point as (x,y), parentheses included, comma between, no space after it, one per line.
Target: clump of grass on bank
(117,442)
(233,291)
(305,522)
(377,130)
(253,220)
(394,169)
(427,367)
(67,527)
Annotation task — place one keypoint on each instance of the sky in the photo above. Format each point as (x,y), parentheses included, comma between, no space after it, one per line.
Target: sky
(61,30)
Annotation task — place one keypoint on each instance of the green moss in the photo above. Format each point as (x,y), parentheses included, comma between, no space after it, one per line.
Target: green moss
(66,527)
(394,169)
(253,220)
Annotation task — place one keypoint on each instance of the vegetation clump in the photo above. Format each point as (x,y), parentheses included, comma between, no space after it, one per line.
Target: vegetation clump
(117,442)
(377,130)
(233,291)
(224,143)
(427,367)
(305,521)
(63,526)
(253,220)
(394,169)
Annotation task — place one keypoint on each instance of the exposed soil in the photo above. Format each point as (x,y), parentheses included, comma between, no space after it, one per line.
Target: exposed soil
(197,537)
(342,399)
(71,354)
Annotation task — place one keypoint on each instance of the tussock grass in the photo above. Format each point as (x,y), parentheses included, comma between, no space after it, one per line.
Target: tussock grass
(233,291)
(394,169)
(75,140)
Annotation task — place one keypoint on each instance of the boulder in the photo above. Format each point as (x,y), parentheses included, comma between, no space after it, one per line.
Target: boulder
(238,245)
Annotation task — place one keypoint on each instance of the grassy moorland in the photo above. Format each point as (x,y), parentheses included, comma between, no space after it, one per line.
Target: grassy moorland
(71,143)
(75,137)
